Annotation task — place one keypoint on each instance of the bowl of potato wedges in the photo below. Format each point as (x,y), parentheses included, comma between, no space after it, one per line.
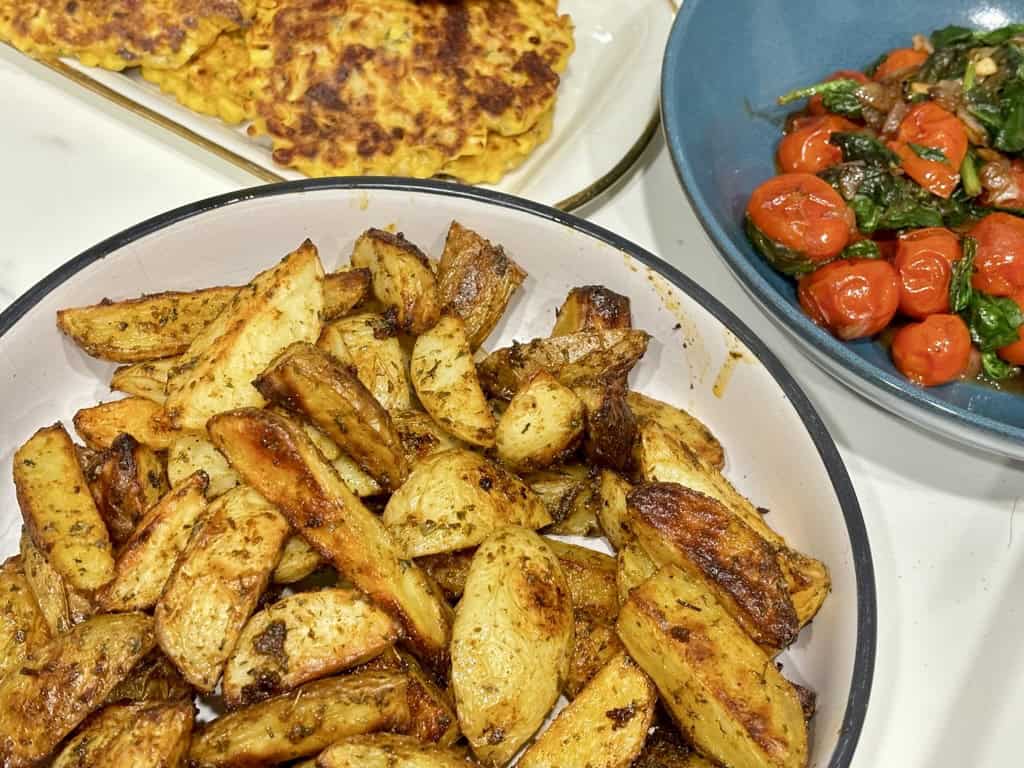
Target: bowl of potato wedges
(386,473)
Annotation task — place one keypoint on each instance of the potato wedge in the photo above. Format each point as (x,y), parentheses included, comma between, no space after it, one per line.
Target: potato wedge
(448,570)
(576,359)
(432,717)
(610,508)
(687,429)
(59,510)
(511,643)
(148,379)
(155,678)
(633,567)
(127,479)
(369,342)
(444,377)
(476,280)
(596,643)
(360,483)
(24,633)
(43,701)
(62,606)
(301,638)
(298,560)
(191,452)
(400,277)
(610,426)
(577,516)
(274,455)
(421,436)
(590,576)
(101,424)
(145,562)
(605,726)
(556,486)
(723,692)
(388,750)
(218,579)
(344,290)
(280,306)
(592,308)
(308,381)
(665,748)
(146,735)
(808,582)
(304,721)
(542,424)
(456,499)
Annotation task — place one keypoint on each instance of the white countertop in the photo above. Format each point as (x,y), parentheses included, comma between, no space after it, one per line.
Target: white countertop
(948,546)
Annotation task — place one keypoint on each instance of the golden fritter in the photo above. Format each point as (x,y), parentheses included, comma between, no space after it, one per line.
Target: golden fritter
(501,155)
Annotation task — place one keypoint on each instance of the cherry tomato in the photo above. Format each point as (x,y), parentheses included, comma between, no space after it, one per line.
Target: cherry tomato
(1014,353)
(803,213)
(999,263)
(816,106)
(934,351)
(805,149)
(852,298)
(929,126)
(899,60)
(924,259)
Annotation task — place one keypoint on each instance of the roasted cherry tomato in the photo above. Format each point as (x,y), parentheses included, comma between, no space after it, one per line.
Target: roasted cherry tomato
(816,106)
(924,259)
(931,129)
(934,351)
(803,213)
(805,149)
(999,263)
(852,298)
(899,60)
(1014,353)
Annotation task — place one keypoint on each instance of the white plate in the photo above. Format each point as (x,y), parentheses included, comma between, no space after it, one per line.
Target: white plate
(701,357)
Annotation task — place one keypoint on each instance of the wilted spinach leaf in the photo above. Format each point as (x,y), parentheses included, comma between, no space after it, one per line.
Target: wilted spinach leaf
(783,259)
(862,146)
(928,153)
(862,249)
(838,96)
(996,368)
(994,320)
(960,289)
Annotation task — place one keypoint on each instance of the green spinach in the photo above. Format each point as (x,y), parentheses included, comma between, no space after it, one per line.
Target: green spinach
(928,153)
(783,259)
(996,368)
(960,290)
(838,96)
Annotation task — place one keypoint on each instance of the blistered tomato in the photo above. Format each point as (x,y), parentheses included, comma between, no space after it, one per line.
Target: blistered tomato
(852,298)
(816,106)
(805,149)
(803,213)
(931,144)
(935,351)
(924,259)
(898,61)
(1014,353)
(999,262)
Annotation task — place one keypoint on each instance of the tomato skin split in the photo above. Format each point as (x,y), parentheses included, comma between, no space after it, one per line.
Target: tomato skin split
(929,128)
(805,149)
(924,260)
(802,213)
(851,298)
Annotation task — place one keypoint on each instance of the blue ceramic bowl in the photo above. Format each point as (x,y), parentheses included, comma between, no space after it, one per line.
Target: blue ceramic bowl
(725,64)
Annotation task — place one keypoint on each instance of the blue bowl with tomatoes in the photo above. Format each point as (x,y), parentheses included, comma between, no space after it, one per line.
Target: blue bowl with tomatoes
(860,167)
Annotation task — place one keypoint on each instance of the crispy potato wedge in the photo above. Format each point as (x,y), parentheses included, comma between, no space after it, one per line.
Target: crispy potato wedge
(576,359)
(611,510)
(304,721)
(301,638)
(127,479)
(148,379)
(308,381)
(699,535)
(556,486)
(280,306)
(62,606)
(511,643)
(454,500)
(723,692)
(476,280)
(687,429)
(145,562)
(274,455)
(298,560)
(432,717)
(592,308)
(360,483)
(388,750)
(633,567)
(24,632)
(596,643)
(43,701)
(610,426)
(577,516)
(448,570)
(101,424)
(155,678)
(808,582)
(369,342)
(605,726)
(146,735)
(421,436)
(400,277)
(445,381)
(590,576)
(542,424)
(59,510)
(191,452)
(665,748)
(218,579)
(344,290)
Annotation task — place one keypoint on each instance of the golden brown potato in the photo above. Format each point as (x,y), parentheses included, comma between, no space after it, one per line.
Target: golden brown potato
(360,483)
(605,726)
(59,510)
(61,604)
(592,308)
(808,582)
(444,377)
(23,629)
(154,678)
(127,479)
(511,643)
(448,570)
(43,701)
(145,562)
(276,457)
(191,452)
(369,343)
(101,424)
(214,588)
(665,748)
(611,427)
(685,428)
(421,436)
(308,381)
(388,750)
(577,515)
(590,576)
(542,424)
(723,692)
(556,486)
(345,290)
(610,508)
(146,735)
(596,643)
(400,277)
(476,280)
(304,721)
(432,716)
(148,379)
(298,560)
(280,306)
(577,359)
(454,500)
(633,567)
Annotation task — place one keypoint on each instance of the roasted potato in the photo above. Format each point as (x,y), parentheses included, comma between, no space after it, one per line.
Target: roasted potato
(146,735)
(592,308)
(59,510)
(101,424)
(304,721)
(308,381)
(360,483)
(148,379)
(590,576)
(432,717)
(476,280)
(217,581)
(576,359)
(298,560)
(421,436)
(191,452)
(388,750)
(556,486)
(145,562)
(448,570)
(345,290)
(511,643)
(276,457)
(685,428)
(280,306)
(577,516)
(400,277)
(43,701)
(542,424)
(605,726)
(454,500)
(62,605)
(633,567)
(595,644)
(445,381)
(155,678)
(369,343)
(610,508)
(610,426)
(723,692)
(24,632)
(127,479)
(808,582)
(665,748)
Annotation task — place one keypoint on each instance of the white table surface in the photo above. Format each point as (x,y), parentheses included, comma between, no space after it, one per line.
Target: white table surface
(948,551)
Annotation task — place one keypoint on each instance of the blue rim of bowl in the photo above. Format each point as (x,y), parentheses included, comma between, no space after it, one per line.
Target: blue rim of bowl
(784,312)
(867,630)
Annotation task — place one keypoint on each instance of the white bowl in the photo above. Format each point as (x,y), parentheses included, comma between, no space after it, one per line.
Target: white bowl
(701,357)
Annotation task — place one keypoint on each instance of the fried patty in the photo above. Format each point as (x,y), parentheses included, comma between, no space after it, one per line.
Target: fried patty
(501,154)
